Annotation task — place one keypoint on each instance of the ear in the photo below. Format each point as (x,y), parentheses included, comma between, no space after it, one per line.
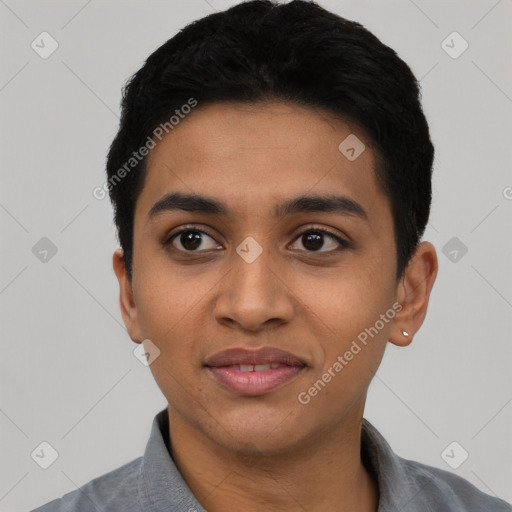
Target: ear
(413,293)
(126,300)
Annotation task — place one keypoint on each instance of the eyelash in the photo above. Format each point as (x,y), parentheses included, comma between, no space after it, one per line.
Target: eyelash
(167,242)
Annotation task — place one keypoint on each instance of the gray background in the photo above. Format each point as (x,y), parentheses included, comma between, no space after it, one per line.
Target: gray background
(68,374)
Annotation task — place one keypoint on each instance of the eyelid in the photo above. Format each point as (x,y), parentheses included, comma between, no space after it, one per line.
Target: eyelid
(187,227)
(309,228)
(315,227)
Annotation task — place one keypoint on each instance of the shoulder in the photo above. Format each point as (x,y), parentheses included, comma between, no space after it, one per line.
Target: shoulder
(410,485)
(438,489)
(112,491)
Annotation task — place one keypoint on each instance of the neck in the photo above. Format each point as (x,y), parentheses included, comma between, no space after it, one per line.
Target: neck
(325,473)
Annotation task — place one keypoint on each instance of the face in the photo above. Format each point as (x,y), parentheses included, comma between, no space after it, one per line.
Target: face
(309,279)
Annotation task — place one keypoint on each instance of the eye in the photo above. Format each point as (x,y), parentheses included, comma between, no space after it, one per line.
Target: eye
(314,240)
(192,240)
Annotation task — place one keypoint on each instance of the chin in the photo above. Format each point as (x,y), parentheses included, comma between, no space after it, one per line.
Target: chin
(253,434)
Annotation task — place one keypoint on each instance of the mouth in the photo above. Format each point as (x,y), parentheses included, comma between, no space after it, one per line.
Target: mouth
(254,372)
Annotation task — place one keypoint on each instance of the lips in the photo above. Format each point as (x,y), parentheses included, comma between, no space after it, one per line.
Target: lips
(254,372)
(261,356)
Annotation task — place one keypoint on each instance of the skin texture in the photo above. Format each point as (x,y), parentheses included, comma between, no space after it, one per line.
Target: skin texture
(268,452)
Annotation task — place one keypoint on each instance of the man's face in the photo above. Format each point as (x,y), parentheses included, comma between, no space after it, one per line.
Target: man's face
(307,294)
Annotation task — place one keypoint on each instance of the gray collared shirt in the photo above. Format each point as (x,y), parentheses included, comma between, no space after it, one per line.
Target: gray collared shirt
(152,483)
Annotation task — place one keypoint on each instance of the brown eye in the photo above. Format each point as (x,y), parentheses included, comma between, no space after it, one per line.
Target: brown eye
(191,240)
(314,240)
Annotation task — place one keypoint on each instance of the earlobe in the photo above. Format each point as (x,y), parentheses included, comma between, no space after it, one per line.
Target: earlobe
(126,299)
(400,337)
(413,293)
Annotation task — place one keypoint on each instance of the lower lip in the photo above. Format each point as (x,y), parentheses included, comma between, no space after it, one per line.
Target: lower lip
(254,383)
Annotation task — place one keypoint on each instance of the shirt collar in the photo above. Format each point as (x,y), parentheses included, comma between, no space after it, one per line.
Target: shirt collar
(161,487)
(160,484)
(397,490)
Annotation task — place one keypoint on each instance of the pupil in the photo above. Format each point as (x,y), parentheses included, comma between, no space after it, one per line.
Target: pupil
(190,239)
(316,239)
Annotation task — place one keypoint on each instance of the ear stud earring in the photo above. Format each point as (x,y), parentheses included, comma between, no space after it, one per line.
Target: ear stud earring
(405,333)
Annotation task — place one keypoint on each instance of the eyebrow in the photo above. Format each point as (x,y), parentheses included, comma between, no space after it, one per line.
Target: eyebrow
(329,203)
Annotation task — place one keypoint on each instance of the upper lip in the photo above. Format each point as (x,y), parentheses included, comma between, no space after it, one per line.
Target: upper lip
(262,355)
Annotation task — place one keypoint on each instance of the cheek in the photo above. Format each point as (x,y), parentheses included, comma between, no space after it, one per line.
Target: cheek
(166,299)
(175,332)
(348,363)
(168,316)
(350,305)
(347,299)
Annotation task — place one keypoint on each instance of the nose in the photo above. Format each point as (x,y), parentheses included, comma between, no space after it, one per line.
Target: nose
(255,295)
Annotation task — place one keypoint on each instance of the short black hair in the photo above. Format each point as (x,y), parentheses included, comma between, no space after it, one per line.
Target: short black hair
(262,51)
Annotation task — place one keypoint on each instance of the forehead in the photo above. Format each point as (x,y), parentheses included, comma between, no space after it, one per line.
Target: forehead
(254,157)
